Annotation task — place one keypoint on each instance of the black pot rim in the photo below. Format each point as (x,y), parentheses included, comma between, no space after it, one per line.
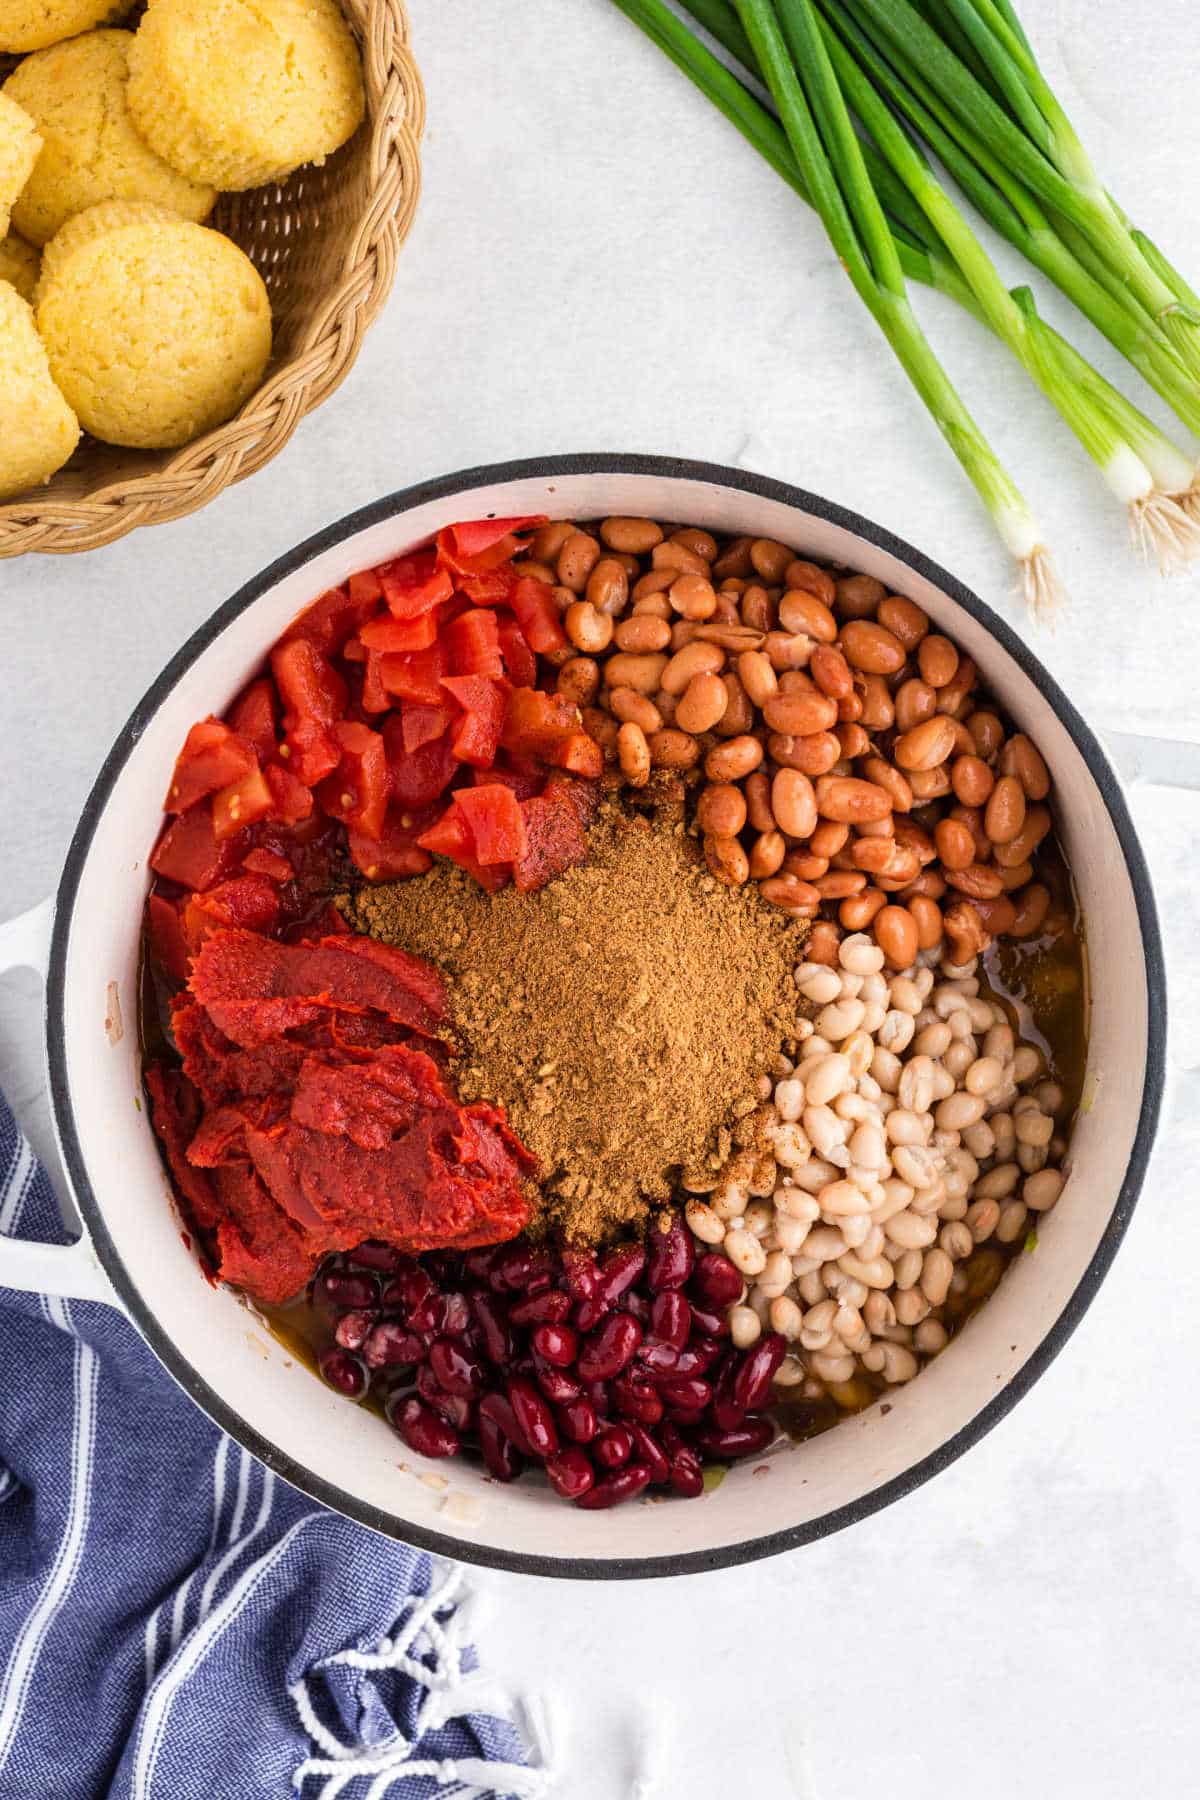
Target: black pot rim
(602,1568)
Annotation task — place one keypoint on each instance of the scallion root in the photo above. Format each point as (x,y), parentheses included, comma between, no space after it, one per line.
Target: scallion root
(1164,531)
(1041,588)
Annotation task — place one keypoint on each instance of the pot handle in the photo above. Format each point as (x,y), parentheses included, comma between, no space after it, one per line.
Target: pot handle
(1152,761)
(67,1271)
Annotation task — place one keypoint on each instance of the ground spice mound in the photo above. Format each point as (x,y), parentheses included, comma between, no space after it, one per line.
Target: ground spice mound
(621,1014)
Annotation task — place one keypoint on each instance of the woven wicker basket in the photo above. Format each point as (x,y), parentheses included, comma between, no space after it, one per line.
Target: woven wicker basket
(325,243)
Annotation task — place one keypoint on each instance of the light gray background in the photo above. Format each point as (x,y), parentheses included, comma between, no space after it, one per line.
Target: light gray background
(599,263)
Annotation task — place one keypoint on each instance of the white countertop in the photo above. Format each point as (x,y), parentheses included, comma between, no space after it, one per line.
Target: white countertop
(599,263)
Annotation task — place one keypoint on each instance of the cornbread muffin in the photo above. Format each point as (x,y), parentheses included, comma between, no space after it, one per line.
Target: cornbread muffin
(75,94)
(155,331)
(19,264)
(38,430)
(241,92)
(35,24)
(19,146)
(108,215)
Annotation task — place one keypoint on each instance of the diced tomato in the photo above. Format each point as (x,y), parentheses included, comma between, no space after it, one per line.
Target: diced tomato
(374,697)
(450,836)
(493,816)
(555,836)
(188,851)
(291,800)
(535,722)
(418,776)
(242,803)
(167,942)
(473,644)
(578,754)
(421,724)
(416,676)
(524,778)
(477,735)
(248,901)
(471,539)
(357,792)
(414,584)
(365,586)
(252,716)
(493,588)
(537,615)
(269,863)
(352,650)
(519,661)
(336,616)
(312,752)
(309,686)
(404,635)
(211,758)
(395,854)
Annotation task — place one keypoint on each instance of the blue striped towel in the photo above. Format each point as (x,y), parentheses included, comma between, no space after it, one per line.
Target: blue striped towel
(175,1623)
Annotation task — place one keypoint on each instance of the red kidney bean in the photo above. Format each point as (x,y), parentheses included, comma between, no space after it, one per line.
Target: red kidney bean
(344,1372)
(716,1279)
(556,1344)
(671,1256)
(532,1412)
(600,1395)
(663,1363)
(422,1430)
(497,1408)
(458,1371)
(352,1329)
(517,1268)
(692,1394)
(409,1289)
(712,1324)
(727,1413)
(637,1399)
(390,1344)
(558,1385)
(588,1313)
(453,1314)
(752,1380)
(550,1308)
(687,1475)
(339,1288)
(671,1318)
(613,1446)
(737,1440)
(581,1273)
(639,1306)
(649,1452)
(497,1339)
(478,1263)
(626,1484)
(384,1258)
(619,1271)
(423,1319)
(610,1348)
(570,1473)
(456,1409)
(500,1454)
(577,1420)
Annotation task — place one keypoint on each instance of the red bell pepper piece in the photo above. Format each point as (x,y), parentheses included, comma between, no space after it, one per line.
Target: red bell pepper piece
(519,661)
(188,851)
(476,737)
(418,776)
(211,758)
(473,644)
(403,635)
(168,946)
(535,722)
(242,803)
(291,800)
(469,542)
(416,676)
(336,616)
(270,863)
(538,617)
(309,686)
(493,816)
(578,754)
(420,724)
(412,585)
(252,716)
(357,792)
(493,588)
(310,752)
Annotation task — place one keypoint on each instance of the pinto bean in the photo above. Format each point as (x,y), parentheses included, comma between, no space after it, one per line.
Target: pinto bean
(903,619)
(1023,760)
(794,803)
(757,790)
(812,579)
(696,658)
(727,861)
(804,614)
(1005,813)
(872,648)
(971,780)
(767,853)
(671,749)
(846,798)
(721,810)
(915,700)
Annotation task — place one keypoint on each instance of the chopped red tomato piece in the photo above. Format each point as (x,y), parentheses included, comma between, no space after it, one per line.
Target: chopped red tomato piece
(167,942)
(336,616)
(374,697)
(578,754)
(188,851)
(242,803)
(365,586)
(493,588)
(418,776)
(269,863)
(493,816)
(211,758)
(416,676)
(291,801)
(450,836)
(538,617)
(472,539)
(519,661)
(535,722)
(309,686)
(524,778)
(420,724)
(250,901)
(253,717)
(473,644)
(404,635)
(357,792)
(310,751)
(395,854)
(555,835)
(477,734)
(414,584)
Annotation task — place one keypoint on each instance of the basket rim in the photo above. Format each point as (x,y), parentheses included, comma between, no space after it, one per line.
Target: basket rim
(197,472)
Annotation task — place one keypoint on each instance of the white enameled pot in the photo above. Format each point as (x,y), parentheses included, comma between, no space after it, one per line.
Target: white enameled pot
(134,1251)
